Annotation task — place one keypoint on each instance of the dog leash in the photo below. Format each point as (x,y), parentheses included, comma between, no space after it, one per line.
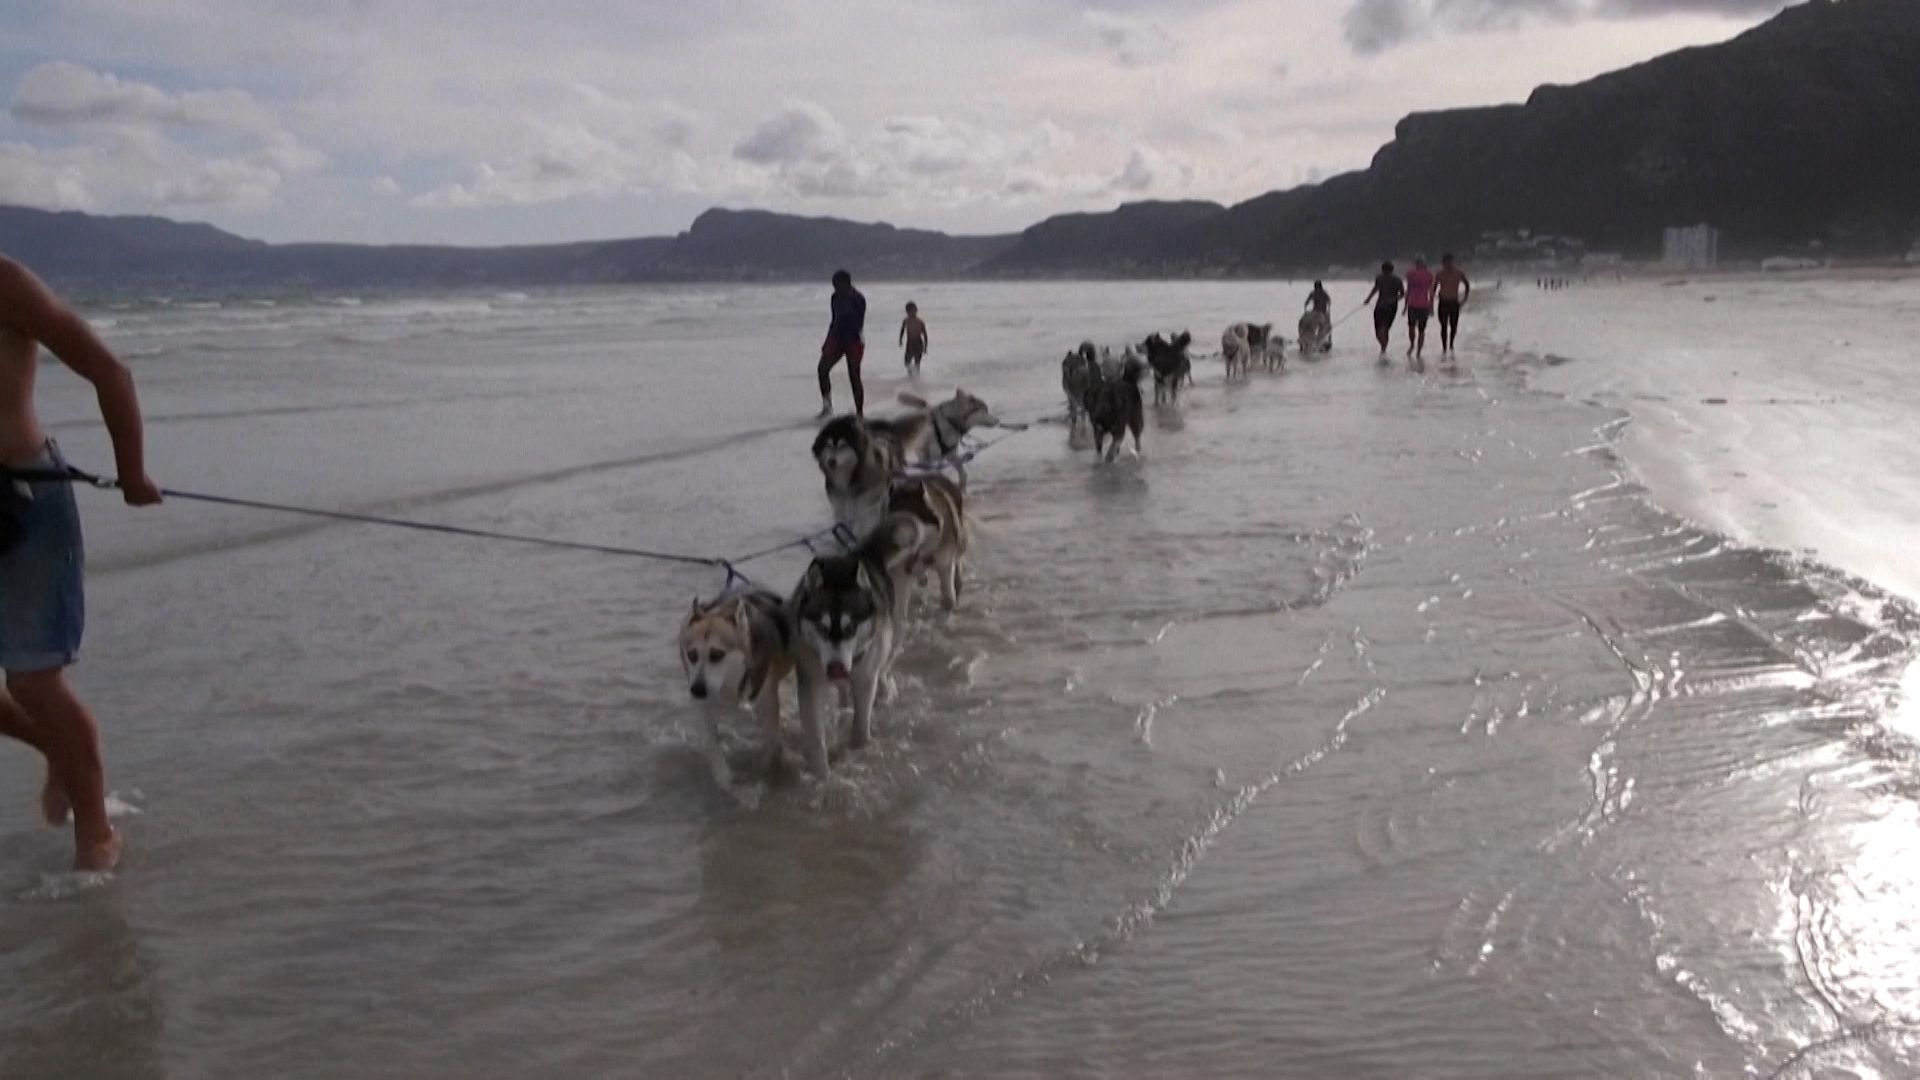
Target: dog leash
(73,475)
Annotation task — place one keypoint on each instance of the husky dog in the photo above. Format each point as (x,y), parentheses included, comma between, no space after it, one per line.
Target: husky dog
(1115,406)
(940,506)
(948,425)
(1077,372)
(736,650)
(859,458)
(1171,365)
(846,613)
(1247,344)
(1316,333)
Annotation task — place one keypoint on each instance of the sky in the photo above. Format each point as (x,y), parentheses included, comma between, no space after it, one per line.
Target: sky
(508,121)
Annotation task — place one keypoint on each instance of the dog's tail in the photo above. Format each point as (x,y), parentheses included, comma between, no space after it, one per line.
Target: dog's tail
(911,401)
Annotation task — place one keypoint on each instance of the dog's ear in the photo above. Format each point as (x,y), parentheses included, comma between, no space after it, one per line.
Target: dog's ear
(695,613)
(743,623)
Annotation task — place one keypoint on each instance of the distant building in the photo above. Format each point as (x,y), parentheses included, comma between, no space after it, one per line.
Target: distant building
(1694,248)
(1527,248)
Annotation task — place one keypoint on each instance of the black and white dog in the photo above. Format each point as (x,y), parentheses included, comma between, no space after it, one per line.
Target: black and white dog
(1171,365)
(846,613)
(1115,406)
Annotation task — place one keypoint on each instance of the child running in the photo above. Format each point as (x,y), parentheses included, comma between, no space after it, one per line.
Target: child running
(913,334)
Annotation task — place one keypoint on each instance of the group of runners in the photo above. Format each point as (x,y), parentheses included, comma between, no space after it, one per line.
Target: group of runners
(1426,294)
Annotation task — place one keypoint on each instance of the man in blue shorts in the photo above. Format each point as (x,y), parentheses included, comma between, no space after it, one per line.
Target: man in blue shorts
(42,605)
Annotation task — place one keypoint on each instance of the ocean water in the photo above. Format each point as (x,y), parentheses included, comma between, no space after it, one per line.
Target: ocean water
(1371,724)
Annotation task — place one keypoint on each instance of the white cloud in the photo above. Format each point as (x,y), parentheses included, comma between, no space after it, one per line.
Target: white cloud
(62,94)
(120,148)
(1132,40)
(619,119)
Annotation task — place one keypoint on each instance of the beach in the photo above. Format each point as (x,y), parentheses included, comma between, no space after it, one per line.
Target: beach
(1537,718)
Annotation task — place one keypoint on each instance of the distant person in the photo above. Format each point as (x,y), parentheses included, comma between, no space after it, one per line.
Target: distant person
(844,341)
(913,334)
(1454,291)
(1320,300)
(42,604)
(1419,309)
(1386,294)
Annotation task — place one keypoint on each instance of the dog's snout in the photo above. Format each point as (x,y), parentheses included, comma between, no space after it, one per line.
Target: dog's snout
(699,689)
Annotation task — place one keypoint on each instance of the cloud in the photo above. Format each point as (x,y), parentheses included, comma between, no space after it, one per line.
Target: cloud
(135,168)
(1150,171)
(570,161)
(62,94)
(122,145)
(1374,26)
(1131,40)
(801,132)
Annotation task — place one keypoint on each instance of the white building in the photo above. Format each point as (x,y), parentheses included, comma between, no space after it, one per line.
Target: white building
(1694,248)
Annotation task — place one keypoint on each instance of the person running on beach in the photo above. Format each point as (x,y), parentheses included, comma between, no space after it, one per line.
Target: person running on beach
(913,334)
(1386,294)
(1320,300)
(1419,310)
(1454,291)
(42,607)
(844,342)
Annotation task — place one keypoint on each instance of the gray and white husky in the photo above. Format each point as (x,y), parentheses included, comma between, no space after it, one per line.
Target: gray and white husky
(847,612)
(860,458)
(736,650)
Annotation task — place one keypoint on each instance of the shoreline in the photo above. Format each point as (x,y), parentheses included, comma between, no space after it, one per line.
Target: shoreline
(1747,440)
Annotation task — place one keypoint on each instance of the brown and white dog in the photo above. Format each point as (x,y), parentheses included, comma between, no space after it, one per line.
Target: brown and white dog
(736,650)
(1245,345)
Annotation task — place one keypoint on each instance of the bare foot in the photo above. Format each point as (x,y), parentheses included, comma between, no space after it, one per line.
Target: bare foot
(54,806)
(102,857)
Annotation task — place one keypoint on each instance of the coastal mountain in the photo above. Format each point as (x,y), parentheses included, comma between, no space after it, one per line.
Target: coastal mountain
(1794,137)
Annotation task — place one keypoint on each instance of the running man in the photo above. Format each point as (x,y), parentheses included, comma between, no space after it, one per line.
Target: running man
(42,606)
(1387,291)
(1419,311)
(913,334)
(844,342)
(1454,291)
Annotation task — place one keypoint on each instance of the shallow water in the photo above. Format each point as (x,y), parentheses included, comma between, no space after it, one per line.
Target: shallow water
(1372,725)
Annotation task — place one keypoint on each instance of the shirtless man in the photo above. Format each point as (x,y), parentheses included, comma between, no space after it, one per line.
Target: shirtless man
(1454,291)
(41,603)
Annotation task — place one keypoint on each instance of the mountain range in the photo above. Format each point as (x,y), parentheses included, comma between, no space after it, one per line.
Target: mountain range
(1798,135)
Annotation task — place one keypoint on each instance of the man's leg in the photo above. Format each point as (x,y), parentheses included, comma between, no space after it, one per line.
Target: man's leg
(829,356)
(15,724)
(853,376)
(72,741)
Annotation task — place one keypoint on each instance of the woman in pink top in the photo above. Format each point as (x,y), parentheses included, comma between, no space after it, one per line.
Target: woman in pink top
(1419,309)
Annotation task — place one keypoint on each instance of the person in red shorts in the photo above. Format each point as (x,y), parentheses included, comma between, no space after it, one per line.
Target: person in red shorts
(844,342)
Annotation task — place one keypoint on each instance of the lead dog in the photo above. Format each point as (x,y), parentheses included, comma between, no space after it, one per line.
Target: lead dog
(736,651)
(846,612)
